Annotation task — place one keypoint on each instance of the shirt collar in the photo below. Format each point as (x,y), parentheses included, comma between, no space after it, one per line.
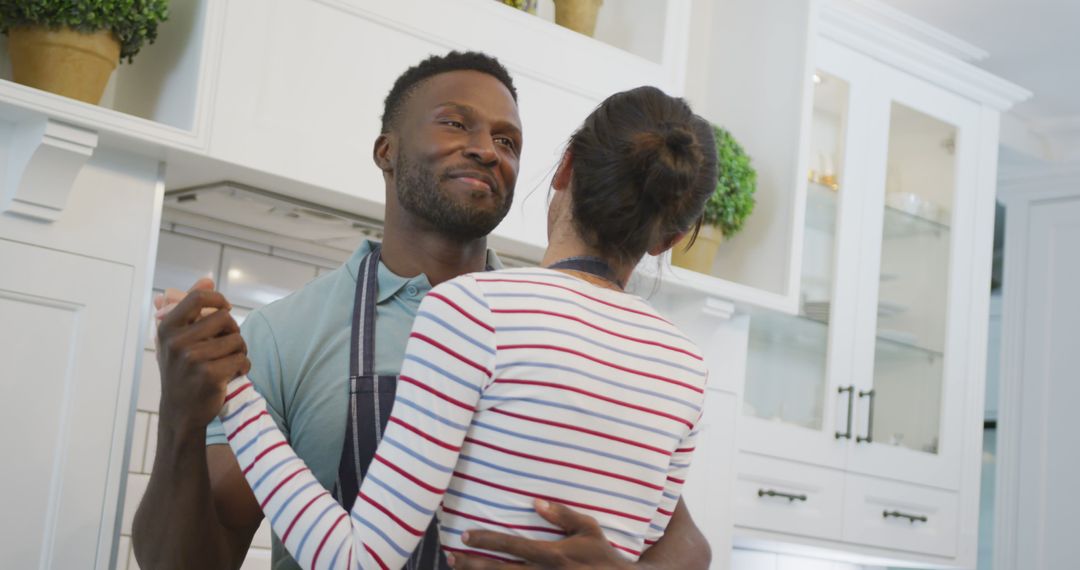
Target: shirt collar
(389,282)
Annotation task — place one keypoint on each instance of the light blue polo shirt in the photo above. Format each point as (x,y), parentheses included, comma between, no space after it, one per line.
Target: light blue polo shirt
(299,352)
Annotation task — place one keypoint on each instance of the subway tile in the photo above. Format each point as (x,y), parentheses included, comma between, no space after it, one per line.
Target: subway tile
(123,552)
(151,443)
(262,536)
(182,260)
(138,441)
(149,383)
(257,559)
(136,486)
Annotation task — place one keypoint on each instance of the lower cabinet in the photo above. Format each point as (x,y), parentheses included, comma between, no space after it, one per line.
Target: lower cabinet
(785,501)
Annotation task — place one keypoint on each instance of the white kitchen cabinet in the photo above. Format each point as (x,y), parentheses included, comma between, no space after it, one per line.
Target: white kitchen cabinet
(868,400)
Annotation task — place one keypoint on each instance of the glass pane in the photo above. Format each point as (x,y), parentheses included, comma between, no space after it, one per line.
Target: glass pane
(786,367)
(908,367)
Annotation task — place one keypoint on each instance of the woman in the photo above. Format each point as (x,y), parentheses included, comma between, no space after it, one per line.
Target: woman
(543,383)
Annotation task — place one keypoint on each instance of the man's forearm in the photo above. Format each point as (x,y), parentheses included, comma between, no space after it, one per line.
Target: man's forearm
(176,524)
(682,546)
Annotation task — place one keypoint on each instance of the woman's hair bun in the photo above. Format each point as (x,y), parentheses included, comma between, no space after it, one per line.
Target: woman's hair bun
(667,160)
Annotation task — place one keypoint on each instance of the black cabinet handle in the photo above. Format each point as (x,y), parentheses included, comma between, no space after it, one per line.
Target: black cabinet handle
(850,409)
(899,515)
(869,419)
(788,496)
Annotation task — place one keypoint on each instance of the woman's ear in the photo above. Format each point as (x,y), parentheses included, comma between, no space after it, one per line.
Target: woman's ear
(564,173)
(383,152)
(666,245)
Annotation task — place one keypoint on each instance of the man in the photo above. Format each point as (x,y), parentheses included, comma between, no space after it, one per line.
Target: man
(449,151)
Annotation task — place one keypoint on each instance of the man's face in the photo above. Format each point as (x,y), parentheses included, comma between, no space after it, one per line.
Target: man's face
(458,152)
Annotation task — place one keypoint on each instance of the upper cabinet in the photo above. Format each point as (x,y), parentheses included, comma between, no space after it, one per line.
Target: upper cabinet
(860,427)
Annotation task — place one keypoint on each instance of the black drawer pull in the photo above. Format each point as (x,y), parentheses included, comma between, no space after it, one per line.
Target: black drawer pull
(788,496)
(912,518)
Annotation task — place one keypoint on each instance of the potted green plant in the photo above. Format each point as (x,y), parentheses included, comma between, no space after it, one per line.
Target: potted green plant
(71,47)
(524,5)
(578,15)
(727,208)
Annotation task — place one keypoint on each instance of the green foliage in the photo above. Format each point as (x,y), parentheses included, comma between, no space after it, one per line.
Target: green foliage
(526,5)
(134,22)
(733,200)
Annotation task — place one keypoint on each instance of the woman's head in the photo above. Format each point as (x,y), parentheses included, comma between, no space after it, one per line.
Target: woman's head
(642,166)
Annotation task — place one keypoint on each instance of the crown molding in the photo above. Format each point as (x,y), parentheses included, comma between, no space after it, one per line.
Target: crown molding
(916,29)
(846,22)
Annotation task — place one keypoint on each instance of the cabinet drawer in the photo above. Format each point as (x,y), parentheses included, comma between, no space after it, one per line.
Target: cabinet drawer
(901,516)
(782,496)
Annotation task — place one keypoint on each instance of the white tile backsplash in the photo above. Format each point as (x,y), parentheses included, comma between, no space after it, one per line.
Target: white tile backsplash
(262,536)
(136,486)
(138,439)
(252,279)
(123,552)
(149,383)
(182,260)
(151,445)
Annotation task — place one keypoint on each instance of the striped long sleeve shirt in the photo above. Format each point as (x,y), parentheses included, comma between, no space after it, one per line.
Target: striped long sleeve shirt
(517,384)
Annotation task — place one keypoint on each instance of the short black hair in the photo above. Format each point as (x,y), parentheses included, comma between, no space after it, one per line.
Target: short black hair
(407,82)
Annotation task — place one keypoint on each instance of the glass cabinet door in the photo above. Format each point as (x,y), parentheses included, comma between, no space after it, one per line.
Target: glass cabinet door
(911,313)
(788,379)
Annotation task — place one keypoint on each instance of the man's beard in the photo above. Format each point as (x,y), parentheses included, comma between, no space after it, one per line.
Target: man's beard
(418,192)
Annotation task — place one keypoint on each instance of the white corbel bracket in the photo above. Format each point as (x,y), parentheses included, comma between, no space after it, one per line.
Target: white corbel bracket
(44,157)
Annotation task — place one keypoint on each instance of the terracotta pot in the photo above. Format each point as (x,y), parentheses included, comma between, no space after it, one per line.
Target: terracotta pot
(700,257)
(64,61)
(578,15)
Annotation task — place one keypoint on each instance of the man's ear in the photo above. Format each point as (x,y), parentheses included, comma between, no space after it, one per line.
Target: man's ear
(383,152)
(662,247)
(564,173)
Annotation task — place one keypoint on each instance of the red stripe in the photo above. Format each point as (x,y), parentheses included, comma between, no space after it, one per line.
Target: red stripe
(599,328)
(237,391)
(427,388)
(576,292)
(387,512)
(280,485)
(467,315)
(373,555)
(322,542)
(467,477)
(502,524)
(663,512)
(246,424)
(650,542)
(479,553)
(402,472)
(285,536)
(566,464)
(263,454)
(582,430)
(686,422)
(603,362)
(685,449)
(676,480)
(622,548)
(449,351)
(417,431)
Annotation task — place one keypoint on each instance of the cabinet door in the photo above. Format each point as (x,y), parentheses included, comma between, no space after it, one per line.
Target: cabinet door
(62,327)
(799,395)
(912,340)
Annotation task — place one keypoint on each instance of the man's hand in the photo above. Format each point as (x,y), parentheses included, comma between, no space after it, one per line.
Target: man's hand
(584,546)
(199,351)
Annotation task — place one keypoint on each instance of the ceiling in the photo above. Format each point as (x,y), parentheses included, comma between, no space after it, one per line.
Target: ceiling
(1033,43)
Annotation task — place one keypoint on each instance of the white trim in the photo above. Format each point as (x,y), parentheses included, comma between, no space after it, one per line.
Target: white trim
(43,161)
(917,29)
(889,46)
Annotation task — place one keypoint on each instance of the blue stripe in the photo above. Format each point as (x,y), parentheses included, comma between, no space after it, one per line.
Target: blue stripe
(447,374)
(587,413)
(417,456)
(470,294)
(399,496)
(240,409)
(558,481)
(656,527)
(602,380)
(680,465)
(431,316)
(482,501)
(311,527)
(250,442)
(271,470)
(333,561)
(401,551)
(572,446)
(403,400)
(671,496)
(664,331)
(449,530)
(697,372)
(281,510)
